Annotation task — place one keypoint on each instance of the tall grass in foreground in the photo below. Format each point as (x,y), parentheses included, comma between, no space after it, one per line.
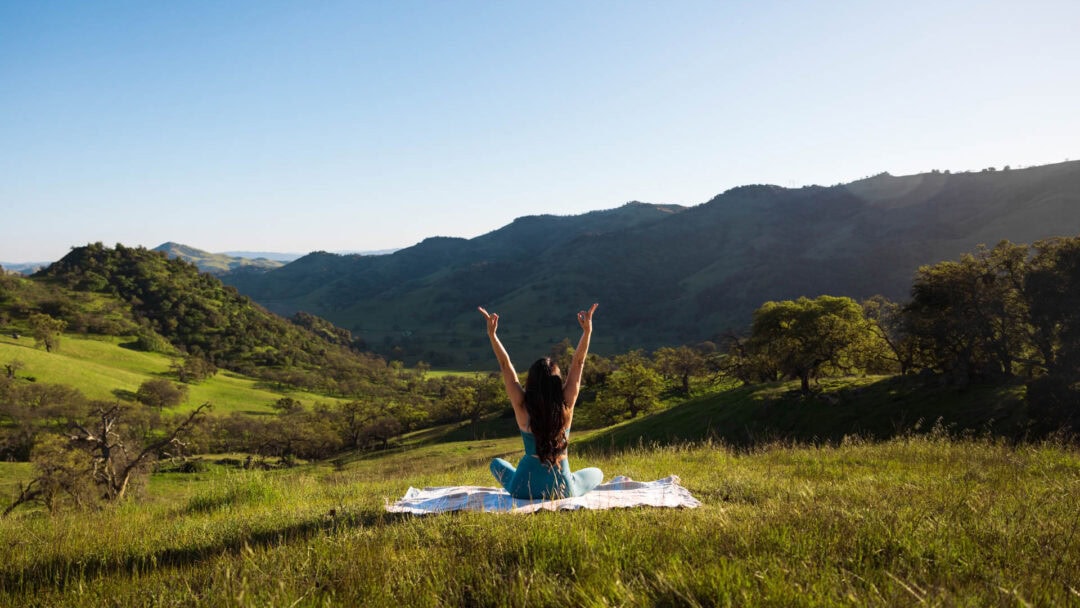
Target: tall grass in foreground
(911,521)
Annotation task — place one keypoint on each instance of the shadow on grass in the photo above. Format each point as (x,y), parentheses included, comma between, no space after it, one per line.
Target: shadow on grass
(57,573)
(492,426)
(124,394)
(877,410)
(430,464)
(133,345)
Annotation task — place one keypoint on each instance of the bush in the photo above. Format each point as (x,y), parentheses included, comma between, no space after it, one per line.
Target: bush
(161,393)
(194,369)
(147,340)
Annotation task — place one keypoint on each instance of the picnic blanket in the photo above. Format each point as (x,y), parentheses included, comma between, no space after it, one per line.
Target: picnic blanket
(620,492)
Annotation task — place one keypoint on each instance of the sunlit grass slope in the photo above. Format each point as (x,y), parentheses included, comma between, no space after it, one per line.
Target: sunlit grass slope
(103,369)
(911,521)
(874,407)
(97,367)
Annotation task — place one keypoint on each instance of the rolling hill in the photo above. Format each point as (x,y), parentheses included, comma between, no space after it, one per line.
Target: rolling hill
(668,274)
(216,263)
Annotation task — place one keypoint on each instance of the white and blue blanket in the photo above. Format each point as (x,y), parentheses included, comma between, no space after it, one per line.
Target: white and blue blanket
(620,492)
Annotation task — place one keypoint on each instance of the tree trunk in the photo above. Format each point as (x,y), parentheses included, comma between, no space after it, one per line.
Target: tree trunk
(123,485)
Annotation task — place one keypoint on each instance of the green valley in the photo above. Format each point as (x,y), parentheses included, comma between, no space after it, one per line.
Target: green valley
(528,304)
(845,452)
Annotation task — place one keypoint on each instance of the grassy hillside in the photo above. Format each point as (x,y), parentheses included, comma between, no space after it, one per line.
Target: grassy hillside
(871,408)
(906,522)
(101,368)
(823,517)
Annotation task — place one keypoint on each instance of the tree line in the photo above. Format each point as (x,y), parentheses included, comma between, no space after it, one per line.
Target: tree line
(1010,313)
(87,452)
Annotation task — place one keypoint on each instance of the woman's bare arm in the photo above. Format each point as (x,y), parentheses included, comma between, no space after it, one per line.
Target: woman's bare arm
(506,368)
(573,377)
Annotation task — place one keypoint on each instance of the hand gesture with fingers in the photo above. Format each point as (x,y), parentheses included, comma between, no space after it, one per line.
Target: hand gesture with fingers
(492,320)
(584,318)
(509,374)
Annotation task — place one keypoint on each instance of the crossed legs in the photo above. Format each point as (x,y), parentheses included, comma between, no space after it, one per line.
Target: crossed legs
(535,480)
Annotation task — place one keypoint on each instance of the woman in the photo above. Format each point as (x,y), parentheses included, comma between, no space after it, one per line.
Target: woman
(544,409)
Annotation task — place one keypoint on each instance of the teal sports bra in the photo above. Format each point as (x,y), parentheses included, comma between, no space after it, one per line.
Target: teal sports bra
(530,442)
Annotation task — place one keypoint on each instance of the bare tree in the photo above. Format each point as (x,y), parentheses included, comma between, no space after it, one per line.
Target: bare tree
(113,462)
(99,454)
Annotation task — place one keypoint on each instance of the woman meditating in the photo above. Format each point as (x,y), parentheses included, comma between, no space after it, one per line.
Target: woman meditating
(543,409)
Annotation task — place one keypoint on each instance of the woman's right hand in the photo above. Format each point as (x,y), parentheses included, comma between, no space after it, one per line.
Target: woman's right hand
(492,320)
(584,318)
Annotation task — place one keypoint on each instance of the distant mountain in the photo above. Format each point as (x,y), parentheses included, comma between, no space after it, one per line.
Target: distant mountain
(216,263)
(289,257)
(668,274)
(276,256)
(367,251)
(26,268)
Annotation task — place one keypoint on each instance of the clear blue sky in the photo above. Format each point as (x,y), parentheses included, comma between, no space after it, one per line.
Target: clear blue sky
(296,126)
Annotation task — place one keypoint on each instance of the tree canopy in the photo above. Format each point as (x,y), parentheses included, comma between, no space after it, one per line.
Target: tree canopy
(804,336)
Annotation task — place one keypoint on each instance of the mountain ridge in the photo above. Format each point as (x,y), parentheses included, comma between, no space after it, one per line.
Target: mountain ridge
(669,274)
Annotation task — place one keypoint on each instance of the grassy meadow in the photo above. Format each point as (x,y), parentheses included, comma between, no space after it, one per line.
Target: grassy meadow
(916,520)
(904,513)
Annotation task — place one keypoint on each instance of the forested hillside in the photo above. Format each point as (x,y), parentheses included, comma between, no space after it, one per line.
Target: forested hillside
(196,314)
(669,275)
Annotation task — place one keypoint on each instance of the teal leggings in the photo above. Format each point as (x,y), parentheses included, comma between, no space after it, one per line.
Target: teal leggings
(534,479)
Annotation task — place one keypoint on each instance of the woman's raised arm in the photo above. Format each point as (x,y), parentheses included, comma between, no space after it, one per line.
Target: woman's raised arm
(506,368)
(573,377)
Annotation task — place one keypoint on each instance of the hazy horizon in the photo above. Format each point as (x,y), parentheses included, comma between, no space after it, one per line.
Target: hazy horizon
(276,255)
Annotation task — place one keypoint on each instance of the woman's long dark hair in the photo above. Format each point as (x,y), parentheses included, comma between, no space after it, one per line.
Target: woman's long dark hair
(547,410)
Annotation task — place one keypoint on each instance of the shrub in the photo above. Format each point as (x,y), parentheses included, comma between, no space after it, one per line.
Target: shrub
(161,393)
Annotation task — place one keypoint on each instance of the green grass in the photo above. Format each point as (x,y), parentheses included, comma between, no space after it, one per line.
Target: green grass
(924,517)
(231,392)
(11,473)
(103,369)
(915,520)
(97,367)
(442,373)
